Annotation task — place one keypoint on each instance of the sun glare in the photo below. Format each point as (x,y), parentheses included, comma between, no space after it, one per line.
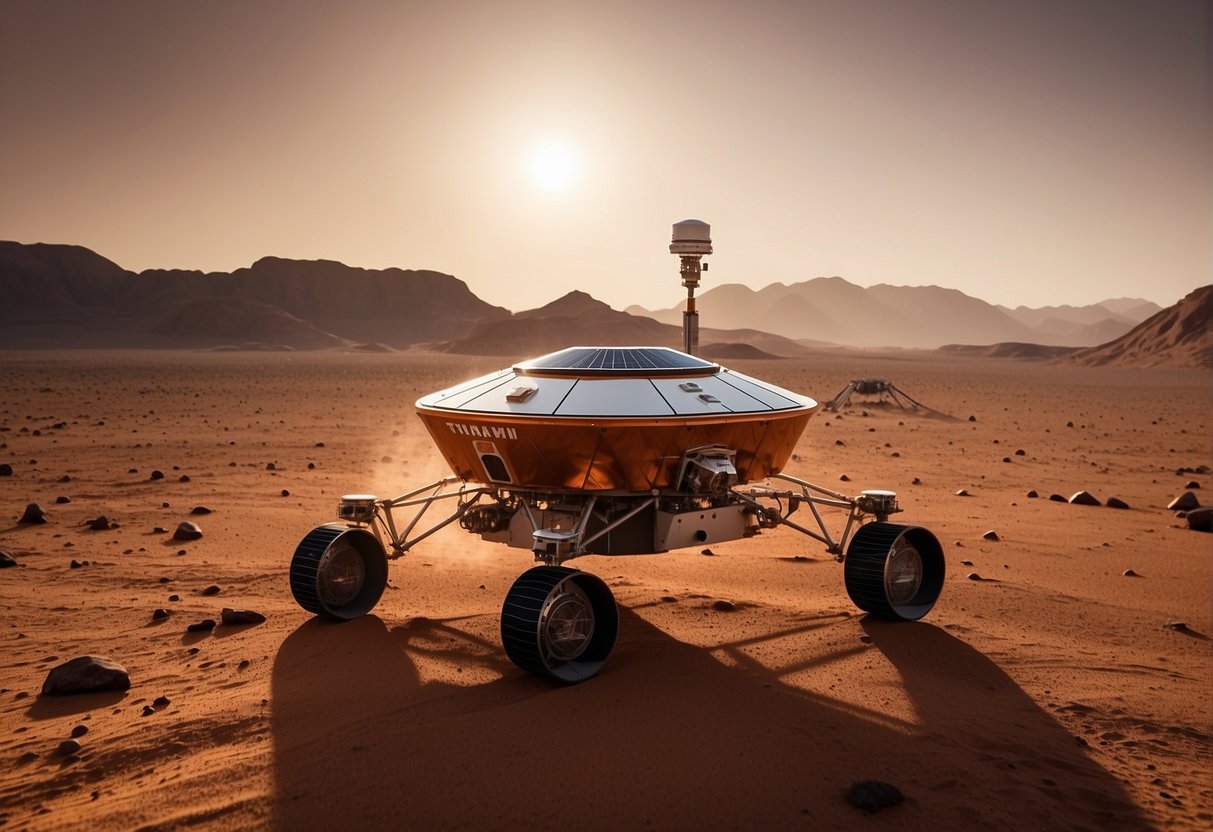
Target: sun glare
(554,166)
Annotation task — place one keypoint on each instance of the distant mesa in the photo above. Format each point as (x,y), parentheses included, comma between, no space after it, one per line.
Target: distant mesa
(733,352)
(69,296)
(1013,349)
(203,321)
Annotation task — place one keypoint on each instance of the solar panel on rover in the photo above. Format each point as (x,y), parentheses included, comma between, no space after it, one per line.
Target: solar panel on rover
(627,360)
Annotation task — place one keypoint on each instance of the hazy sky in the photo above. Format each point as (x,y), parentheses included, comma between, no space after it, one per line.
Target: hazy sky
(1022,151)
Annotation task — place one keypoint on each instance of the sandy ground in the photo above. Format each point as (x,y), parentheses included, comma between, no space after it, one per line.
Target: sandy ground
(1048,695)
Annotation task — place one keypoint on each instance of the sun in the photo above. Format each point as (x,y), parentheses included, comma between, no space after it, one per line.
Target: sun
(554,166)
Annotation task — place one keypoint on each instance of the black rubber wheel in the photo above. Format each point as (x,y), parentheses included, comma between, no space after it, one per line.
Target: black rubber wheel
(894,571)
(338,572)
(559,623)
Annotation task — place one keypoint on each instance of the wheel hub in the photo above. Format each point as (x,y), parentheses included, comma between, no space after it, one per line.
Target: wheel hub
(340,574)
(567,624)
(903,573)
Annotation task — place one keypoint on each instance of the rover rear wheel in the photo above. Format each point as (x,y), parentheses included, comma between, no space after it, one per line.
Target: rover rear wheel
(559,623)
(338,572)
(894,571)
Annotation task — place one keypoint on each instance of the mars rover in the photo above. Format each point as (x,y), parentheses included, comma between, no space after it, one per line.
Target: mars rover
(612,451)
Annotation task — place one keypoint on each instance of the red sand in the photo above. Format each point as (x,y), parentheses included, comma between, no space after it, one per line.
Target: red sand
(1048,695)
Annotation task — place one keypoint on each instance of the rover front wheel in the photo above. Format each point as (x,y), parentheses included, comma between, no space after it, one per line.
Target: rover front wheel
(559,623)
(338,572)
(894,571)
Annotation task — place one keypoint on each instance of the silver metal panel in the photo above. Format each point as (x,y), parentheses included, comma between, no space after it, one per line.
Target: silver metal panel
(454,397)
(548,394)
(776,398)
(690,402)
(696,528)
(614,397)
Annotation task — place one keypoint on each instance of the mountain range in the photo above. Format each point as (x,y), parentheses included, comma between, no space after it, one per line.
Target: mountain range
(68,296)
(925,317)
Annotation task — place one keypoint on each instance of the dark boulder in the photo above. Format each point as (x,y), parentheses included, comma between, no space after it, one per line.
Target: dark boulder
(34,513)
(86,674)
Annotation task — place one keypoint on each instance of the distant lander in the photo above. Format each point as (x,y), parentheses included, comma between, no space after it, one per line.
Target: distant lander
(613,451)
(883,389)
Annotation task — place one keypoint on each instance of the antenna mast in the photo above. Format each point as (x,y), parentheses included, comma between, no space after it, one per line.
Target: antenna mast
(692,239)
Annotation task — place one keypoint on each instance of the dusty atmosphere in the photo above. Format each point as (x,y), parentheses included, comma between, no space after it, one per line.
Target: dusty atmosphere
(1045,690)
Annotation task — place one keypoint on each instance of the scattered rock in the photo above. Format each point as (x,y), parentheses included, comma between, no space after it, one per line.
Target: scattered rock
(962,493)
(213,589)
(1032,495)
(161,702)
(285,493)
(269,466)
(319,445)
(183,478)
(65,478)
(972,418)
(916,481)
(159,530)
(1083,498)
(1020,452)
(707,553)
(68,747)
(844,478)
(187,531)
(99,524)
(722,605)
(148,710)
(973,576)
(990,535)
(1116,502)
(6,560)
(840,443)
(1177,626)
(1129,573)
(201,510)
(6,470)
(1192,484)
(174,597)
(86,674)
(203,626)
(34,513)
(311,466)
(75,564)
(1200,519)
(79,731)
(62,500)
(233,618)
(157,475)
(160,613)
(1183,502)
(874,795)
(966,563)
(1057,498)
